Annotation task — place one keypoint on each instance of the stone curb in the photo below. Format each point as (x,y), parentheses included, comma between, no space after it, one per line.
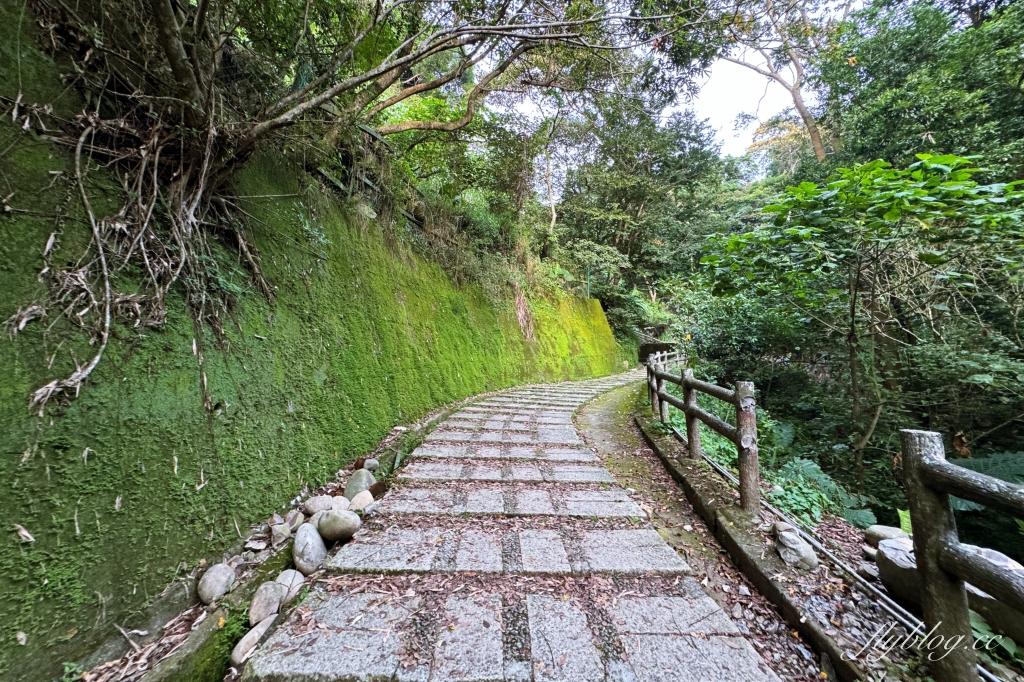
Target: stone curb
(712,498)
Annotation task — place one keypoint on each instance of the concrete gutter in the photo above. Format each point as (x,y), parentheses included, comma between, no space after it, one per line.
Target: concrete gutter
(714,500)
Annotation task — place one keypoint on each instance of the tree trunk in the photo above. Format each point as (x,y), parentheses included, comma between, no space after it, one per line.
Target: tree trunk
(809,123)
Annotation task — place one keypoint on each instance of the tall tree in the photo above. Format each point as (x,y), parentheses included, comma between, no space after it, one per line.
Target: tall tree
(778,40)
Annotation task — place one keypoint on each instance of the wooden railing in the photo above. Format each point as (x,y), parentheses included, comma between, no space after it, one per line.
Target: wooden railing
(743,434)
(943,562)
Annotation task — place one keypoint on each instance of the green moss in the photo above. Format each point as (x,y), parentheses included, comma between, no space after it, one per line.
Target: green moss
(366,338)
(24,68)
(209,663)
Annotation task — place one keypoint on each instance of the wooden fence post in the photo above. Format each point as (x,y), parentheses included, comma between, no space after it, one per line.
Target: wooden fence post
(692,422)
(746,446)
(943,596)
(652,384)
(661,389)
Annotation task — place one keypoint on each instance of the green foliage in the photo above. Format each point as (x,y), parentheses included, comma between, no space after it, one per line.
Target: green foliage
(867,279)
(922,80)
(823,233)
(807,492)
(72,672)
(626,209)
(999,646)
(905,526)
(800,498)
(1006,466)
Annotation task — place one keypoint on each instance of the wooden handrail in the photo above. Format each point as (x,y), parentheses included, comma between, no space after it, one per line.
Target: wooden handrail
(722,427)
(943,562)
(714,390)
(985,574)
(743,434)
(951,479)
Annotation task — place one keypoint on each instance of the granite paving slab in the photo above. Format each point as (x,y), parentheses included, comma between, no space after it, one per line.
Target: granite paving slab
(550,434)
(490,499)
(543,552)
(561,642)
(451,451)
(630,551)
(470,647)
(434,549)
(349,646)
(484,470)
(392,551)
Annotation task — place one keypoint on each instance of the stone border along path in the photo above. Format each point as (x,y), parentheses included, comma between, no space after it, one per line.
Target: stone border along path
(507,553)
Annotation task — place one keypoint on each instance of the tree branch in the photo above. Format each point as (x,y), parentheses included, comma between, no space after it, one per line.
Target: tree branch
(174,50)
(426,87)
(476,96)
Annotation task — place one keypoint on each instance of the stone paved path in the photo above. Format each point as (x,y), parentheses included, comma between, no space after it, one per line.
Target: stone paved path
(507,553)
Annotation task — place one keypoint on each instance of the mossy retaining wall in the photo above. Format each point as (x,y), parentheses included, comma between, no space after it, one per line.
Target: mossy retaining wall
(134,477)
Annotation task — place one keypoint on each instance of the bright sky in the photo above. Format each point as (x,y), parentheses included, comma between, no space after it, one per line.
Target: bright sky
(731,90)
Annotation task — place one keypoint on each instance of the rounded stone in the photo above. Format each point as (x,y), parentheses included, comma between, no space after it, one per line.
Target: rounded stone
(215,583)
(338,526)
(309,550)
(315,518)
(266,602)
(361,501)
(340,503)
(359,481)
(371,464)
(875,534)
(318,503)
(293,581)
(249,641)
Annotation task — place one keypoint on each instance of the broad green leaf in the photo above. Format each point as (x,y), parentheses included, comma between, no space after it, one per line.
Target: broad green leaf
(931,258)
(905,521)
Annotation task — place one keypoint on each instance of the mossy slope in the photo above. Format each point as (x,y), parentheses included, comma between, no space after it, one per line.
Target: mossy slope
(136,476)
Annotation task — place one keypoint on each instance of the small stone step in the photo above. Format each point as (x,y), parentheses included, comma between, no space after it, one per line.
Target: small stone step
(487,471)
(544,433)
(451,451)
(410,499)
(540,551)
(347,645)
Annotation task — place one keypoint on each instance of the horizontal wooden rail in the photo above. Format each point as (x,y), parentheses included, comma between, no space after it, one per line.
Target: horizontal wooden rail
(723,427)
(714,390)
(988,576)
(946,477)
(943,562)
(743,434)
